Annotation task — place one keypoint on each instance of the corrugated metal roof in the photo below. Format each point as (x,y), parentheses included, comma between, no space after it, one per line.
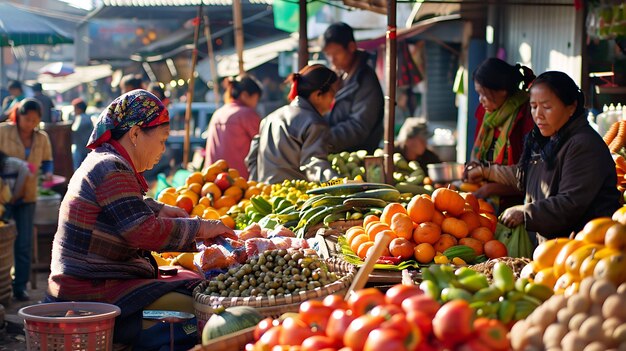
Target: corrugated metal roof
(143,3)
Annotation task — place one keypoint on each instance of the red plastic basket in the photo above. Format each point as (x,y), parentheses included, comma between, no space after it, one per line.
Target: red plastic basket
(46,332)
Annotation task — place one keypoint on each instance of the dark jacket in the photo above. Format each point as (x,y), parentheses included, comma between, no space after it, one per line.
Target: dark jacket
(292,144)
(356,120)
(581,186)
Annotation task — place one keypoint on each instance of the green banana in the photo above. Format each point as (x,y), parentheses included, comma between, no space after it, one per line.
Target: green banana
(364,202)
(289,209)
(276,202)
(316,218)
(356,216)
(347,189)
(506,312)
(328,201)
(304,216)
(261,205)
(307,204)
(389,195)
(523,309)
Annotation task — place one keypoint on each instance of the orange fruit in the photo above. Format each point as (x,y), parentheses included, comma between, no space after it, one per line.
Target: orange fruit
(252,191)
(204,201)
(235,192)
(221,165)
(401,247)
(233,173)
(224,201)
(211,173)
(185,203)
(390,210)
(482,233)
(448,200)
(475,244)
(472,219)
(387,232)
(192,195)
(363,249)
(195,187)
(616,237)
(454,226)
(370,218)
(223,210)
(445,242)
(251,183)
(546,277)
(241,183)
(195,177)
(352,233)
(228,221)
(170,189)
(421,209)
(211,188)
(357,241)
(210,213)
(427,232)
(371,250)
(424,253)
(402,225)
(371,223)
(595,230)
(485,207)
(472,201)
(495,249)
(168,198)
(198,210)
(488,220)
(545,254)
(438,218)
(564,253)
(376,228)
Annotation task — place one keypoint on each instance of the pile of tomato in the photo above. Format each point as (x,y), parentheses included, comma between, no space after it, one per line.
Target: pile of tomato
(402,319)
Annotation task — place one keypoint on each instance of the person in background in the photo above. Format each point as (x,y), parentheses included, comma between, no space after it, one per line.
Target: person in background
(157,89)
(356,118)
(15,173)
(131,82)
(16,94)
(413,143)
(106,225)
(402,110)
(503,120)
(566,170)
(46,103)
(233,125)
(293,140)
(20,138)
(81,131)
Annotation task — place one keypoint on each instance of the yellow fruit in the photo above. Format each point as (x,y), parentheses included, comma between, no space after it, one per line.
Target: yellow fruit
(575,260)
(612,268)
(160,260)
(458,261)
(616,237)
(235,192)
(441,259)
(228,221)
(589,264)
(195,177)
(620,215)
(545,254)
(210,213)
(185,260)
(546,277)
(568,249)
(198,210)
(529,271)
(168,198)
(595,230)
(564,281)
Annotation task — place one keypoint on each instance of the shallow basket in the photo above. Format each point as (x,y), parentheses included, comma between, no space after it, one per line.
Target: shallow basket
(271,306)
(93,332)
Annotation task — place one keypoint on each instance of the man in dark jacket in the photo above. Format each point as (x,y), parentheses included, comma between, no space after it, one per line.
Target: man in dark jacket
(356,120)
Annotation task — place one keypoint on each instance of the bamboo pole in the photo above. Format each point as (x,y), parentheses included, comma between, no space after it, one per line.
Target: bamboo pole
(390,99)
(303,42)
(238,29)
(212,63)
(194,58)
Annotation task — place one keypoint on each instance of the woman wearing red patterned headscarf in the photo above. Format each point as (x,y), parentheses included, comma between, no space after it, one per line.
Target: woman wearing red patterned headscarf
(105,223)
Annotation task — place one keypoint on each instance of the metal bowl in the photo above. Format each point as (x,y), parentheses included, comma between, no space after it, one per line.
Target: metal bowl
(445,172)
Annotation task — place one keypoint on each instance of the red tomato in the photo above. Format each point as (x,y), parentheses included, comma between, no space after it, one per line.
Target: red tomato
(384,339)
(336,302)
(315,314)
(491,333)
(362,301)
(423,322)
(318,342)
(294,332)
(271,337)
(338,323)
(453,322)
(473,345)
(398,293)
(410,333)
(346,348)
(359,329)
(223,181)
(422,303)
(262,327)
(386,311)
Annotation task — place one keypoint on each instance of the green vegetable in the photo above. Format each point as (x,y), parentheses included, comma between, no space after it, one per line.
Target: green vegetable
(229,320)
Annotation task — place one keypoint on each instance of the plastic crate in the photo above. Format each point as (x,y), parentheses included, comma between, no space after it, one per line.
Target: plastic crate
(45,331)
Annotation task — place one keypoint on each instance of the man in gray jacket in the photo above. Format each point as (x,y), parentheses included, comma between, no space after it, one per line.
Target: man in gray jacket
(356,119)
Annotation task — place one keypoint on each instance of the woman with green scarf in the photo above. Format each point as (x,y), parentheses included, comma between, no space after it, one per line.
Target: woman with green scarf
(504,119)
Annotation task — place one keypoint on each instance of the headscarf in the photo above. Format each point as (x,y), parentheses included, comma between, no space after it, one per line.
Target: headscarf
(137,107)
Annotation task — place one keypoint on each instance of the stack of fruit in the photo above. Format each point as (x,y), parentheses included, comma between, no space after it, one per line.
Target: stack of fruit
(212,193)
(402,319)
(620,169)
(409,176)
(598,250)
(449,226)
(593,319)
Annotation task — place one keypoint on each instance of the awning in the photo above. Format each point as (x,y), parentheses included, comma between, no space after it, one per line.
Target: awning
(254,55)
(82,74)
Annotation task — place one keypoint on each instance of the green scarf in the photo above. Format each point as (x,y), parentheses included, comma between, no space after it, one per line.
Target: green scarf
(503,118)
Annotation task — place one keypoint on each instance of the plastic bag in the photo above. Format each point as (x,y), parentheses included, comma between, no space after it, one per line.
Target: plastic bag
(516,240)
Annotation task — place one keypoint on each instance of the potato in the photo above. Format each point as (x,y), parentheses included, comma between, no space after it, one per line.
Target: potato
(577,321)
(564,316)
(622,347)
(554,349)
(615,306)
(622,289)
(619,335)
(578,303)
(519,341)
(557,302)
(554,334)
(542,317)
(591,329)
(595,346)
(572,342)
(585,286)
(601,290)
(534,335)
(609,326)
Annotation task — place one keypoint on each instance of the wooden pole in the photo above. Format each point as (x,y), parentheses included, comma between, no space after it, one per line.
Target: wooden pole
(390,99)
(238,29)
(194,58)
(212,63)
(303,42)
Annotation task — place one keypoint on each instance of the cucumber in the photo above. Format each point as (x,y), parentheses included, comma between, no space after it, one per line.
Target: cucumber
(463,252)
(347,189)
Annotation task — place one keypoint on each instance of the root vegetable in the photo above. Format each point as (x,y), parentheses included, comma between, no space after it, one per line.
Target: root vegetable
(573,342)
(601,290)
(577,321)
(554,334)
(619,335)
(564,316)
(519,340)
(535,337)
(595,346)
(578,303)
(591,329)
(615,306)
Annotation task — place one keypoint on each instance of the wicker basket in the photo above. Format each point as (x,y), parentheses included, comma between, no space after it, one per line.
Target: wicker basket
(270,306)
(233,342)
(8,232)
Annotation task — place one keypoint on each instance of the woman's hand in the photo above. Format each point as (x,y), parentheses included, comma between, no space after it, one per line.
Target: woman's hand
(210,228)
(172,212)
(484,191)
(473,173)
(513,216)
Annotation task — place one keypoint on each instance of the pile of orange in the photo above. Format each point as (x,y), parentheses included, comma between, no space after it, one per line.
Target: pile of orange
(430,225)
(201,197)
